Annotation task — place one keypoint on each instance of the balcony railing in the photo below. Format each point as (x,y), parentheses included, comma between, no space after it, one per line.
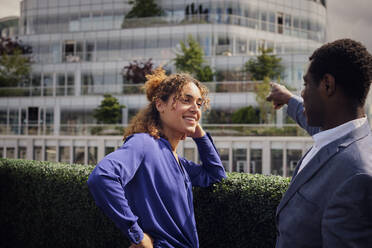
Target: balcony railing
(317,35)
(117,89)
(118,130)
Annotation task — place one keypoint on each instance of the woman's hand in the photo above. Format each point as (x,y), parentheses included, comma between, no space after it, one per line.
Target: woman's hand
(146,242)
(199,132)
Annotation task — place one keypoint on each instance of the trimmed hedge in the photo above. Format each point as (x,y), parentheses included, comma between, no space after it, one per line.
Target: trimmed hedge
(45,204)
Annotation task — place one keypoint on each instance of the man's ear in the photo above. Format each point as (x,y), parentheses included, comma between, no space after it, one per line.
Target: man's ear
(329,84)
(160,105)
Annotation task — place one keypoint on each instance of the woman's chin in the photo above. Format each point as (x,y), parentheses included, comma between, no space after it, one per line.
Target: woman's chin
(190,130)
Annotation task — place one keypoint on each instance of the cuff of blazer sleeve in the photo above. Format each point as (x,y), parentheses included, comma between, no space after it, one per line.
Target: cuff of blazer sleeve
(135,233)
(293,103)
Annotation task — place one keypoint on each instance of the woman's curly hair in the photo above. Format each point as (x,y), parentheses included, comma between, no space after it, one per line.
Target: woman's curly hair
(160,86)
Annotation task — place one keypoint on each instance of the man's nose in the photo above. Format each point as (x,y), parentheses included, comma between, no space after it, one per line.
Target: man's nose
(302,93)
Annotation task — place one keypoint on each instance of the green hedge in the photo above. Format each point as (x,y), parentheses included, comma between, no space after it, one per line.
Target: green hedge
(48,205)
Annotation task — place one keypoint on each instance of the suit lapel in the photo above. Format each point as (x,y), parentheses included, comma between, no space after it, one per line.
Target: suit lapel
(318,161)
(306,173)
(299,165)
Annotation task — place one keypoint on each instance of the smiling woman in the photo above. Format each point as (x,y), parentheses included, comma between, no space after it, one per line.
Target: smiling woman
(166,94)
(144,186)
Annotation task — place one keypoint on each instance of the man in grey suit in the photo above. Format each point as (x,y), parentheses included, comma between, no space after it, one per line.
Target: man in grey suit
(329,200)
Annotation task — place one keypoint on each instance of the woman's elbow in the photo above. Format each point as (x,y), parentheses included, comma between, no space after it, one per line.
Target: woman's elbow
(93,180)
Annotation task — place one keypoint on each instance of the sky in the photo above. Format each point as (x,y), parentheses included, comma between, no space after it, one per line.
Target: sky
(346,19)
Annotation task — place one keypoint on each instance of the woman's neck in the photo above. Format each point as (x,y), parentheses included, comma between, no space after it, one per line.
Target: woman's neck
(173,139)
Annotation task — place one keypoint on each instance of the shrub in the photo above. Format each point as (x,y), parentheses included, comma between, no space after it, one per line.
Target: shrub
(246,115)
(47,204)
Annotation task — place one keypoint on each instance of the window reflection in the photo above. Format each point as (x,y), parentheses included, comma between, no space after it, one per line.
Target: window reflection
(64,154)
(79,155)
(277,162)
(50,153)
(92,155)
(37,153)
(189,154)
(256,161)
(10,152)
(293,156)
(22,152)
(239,160)
(224,155)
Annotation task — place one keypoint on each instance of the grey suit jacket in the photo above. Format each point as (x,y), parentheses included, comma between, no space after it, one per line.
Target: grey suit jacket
(329,203)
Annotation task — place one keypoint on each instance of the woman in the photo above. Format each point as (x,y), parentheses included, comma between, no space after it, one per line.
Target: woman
(144,186)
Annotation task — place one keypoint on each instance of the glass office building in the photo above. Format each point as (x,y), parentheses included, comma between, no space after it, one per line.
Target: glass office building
(80,48)
(9,26)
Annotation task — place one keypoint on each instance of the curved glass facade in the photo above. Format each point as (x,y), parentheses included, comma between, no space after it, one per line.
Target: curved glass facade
(46,17)
(80,48)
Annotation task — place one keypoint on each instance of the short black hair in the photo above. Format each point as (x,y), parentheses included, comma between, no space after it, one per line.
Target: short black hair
(349,62)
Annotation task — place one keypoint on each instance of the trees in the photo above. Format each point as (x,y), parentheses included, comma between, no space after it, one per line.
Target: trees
(265,67)
(109,111)
(143,8)
(14,66)
(191,60)
(136,72)
(267,112)
(245,115)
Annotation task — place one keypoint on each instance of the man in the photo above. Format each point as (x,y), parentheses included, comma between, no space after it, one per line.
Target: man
(329,200)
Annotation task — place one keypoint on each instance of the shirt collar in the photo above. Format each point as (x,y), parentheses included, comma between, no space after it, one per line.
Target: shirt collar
(325,137)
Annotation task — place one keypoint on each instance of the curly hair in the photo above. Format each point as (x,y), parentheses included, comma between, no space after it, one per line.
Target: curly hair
(349,62)
(160,86)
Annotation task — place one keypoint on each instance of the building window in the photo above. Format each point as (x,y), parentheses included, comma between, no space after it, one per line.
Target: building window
(49,121)
(92,155)
(37,153)
(64,154)
(89,51)
(60,88)
(87,86)
(256,161)
(50,153)
(272,22)
(13,121)
(287,24)
(22,152)
(109,149)
(10,152)
(239,160)
(279,19)
(293,156)
(70,87)
(189,154)
(72,51)
(47,85)
(224,155)
(263,21)
(241,46)
(252,47)
(65,85)
(79,155)
(36,84)
(277,162)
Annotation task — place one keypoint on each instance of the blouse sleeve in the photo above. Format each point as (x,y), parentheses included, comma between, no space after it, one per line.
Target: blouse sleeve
(211,170)
(107,181)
